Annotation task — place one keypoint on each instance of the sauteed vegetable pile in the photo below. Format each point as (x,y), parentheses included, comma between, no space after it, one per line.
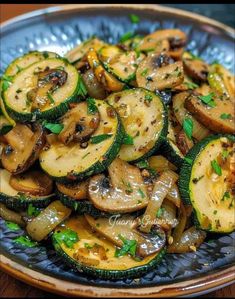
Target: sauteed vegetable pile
(118,154)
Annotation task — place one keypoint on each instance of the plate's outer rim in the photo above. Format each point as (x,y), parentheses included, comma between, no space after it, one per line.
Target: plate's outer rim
(55,285)
(72,7)
(189,287)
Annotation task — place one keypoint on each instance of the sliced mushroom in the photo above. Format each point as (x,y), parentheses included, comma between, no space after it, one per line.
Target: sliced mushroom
(79,125)
(210,117)
(109,82)
(196,68)
(183,142)
(32,182)
(23,148)
(115,227)
(126,193)
(47,82)
(158,72)
(175,37)
(199,131)
(76,191)
(94,88)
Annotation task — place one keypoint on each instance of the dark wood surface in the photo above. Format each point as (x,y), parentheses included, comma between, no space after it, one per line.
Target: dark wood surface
(11,287)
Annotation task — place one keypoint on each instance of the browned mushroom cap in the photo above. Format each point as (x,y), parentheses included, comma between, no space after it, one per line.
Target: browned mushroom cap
(175,37)
(126,193)
(158,72)
(23,148)
(79,125)
(94,88)
(48,81)
(147,244)
(32,182)
(195,67)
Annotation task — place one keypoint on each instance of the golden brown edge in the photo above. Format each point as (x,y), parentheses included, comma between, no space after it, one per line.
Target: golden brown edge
(61,287)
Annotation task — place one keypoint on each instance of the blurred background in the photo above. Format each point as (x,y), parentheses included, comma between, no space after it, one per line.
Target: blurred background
(221,12)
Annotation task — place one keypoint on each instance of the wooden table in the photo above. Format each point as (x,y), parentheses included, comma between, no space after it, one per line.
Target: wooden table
(10,287)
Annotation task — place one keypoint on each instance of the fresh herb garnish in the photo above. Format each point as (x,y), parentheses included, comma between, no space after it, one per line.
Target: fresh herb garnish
(225,196)
(54,128)
(91,106)
(225,116)
(217,169)
(134,19)
(99,138)
(140,191)
(142,164)
(126,36)
(129,246)
(191,85)
(188,127)
(148,97)
(67,237)
(6,81)
(12,226)
(88,246)
(25,241)
(159,212)
(188,160)
(33,211)
(208,100)
(50,98)
(81,88)
(127,139)
(144,72)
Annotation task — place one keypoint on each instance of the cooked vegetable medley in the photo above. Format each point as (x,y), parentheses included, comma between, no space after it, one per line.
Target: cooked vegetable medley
(118,154)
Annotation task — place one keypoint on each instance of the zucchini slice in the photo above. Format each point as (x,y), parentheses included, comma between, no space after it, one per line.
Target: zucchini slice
(121,64)
(26,60)
(77,53)
(95,255)
(43,90)
(144,118)
(73,162)
(5,125)
(15,199)
(206,183)
(169,147)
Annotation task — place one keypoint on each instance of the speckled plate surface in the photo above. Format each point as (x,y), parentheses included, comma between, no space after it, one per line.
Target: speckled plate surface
(59,29)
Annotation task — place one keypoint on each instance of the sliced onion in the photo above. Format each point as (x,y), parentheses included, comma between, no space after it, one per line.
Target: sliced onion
(10,215)
(47,220)
(178,231)
(160,190)
(189,241)
(160,163)
(94,88)
(174,196)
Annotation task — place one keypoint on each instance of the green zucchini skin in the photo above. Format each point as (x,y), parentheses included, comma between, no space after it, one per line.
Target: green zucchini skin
(18,203)
(5,128)
(50,114)
(106,274)
(170,153)
(81,207)
(186,170)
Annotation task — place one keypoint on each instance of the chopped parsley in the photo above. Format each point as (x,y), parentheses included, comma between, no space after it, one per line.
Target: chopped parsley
(188,127)
(188,160)
(134,18)
(81,88)
(6,81)
(12,226)
(225,196)
(142,164)
(225,116)
(215,166)
(129,246)
(126,36)
(191,85)
(25,241)
(68,237)
(100,138)
(54,128)
(140,191)
(148,97)
(208,100)
(159,212)
(144,72)
(50,98)
(91,106)
(33,211)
